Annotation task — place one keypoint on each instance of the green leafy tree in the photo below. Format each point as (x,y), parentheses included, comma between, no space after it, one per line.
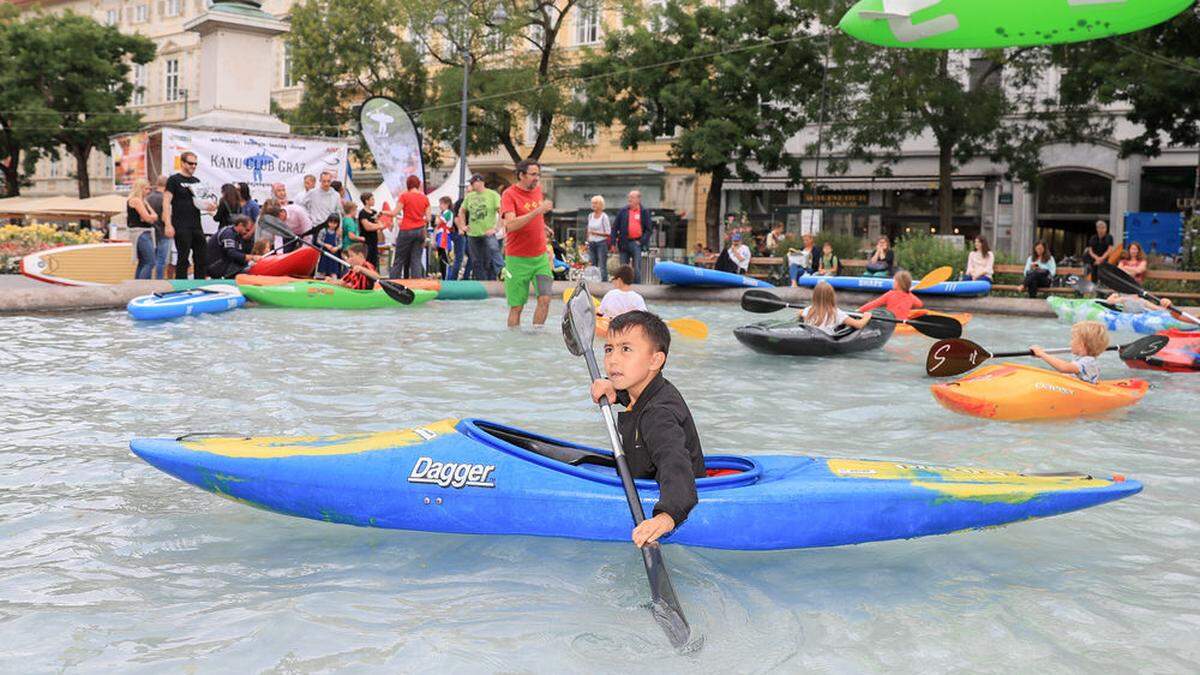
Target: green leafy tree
(79,71)
(729,87)
(346,51)
(24,119)
(973,104)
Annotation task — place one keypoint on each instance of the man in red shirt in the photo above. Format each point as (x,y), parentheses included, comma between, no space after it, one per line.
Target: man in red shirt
(631,231)
(525,262)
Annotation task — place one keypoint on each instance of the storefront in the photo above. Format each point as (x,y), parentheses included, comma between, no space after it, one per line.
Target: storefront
(1068,205)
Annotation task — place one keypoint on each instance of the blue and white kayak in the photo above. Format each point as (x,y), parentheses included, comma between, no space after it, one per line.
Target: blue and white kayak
(202,300)
(678,274)
(884,284)
(478,477)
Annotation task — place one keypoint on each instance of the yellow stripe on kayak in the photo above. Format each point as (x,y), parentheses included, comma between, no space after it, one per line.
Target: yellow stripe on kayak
(278,447)
(964,482)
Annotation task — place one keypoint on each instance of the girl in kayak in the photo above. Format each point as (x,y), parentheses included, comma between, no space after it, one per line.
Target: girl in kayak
(657,432)
(900,300)
(824,315)
(1089,339)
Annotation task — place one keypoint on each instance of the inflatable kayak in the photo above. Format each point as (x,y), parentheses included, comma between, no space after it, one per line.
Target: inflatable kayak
(792,338)
(1015,392)
(1074,310)
(904,329)
(320,295)
(202,300)
(884,284)
(478,477)
(678,274)
(1181,355)
(298,263)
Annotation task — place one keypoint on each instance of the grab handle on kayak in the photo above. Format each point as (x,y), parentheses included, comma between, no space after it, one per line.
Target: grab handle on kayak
(212,434)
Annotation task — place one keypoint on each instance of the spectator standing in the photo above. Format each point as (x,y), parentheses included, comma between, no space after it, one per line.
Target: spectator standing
(162,242)
(458,240)
(522,210)
(143,224)
(410,240)
(323,200)
(350,232)
(250,205)
(599,236)
(632,233)
(229,206)
(369,227)
(182,217)
(479,217)
(330,240)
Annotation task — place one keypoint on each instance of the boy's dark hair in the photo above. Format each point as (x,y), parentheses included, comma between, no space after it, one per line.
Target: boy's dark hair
(357,248)
(624,273)
(652,327)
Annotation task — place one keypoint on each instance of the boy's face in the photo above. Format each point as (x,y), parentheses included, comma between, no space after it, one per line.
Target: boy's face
(355,258)
(629,358)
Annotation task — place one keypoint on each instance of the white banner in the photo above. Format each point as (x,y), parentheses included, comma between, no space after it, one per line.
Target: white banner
(259,161)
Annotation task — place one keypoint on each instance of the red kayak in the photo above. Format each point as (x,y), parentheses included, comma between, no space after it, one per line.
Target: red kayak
(298,263)
(1181,355)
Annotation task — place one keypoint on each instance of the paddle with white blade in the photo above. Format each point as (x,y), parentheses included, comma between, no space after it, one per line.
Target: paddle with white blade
(957,356)
(578,326)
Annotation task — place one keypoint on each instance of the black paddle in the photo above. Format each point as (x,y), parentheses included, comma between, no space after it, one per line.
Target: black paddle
(579,328)
(1115,278)
(940,327)
(398,292)
(955,357)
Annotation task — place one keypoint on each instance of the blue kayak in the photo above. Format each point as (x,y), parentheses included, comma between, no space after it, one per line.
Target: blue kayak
(678,274)
(202,300)
(478,477)
(884,284)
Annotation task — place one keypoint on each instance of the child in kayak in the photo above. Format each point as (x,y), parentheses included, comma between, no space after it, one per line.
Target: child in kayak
(619,300)
(657,432)
(355,278)
(900,300)
(1132,304)
(1089,339)
(824,314)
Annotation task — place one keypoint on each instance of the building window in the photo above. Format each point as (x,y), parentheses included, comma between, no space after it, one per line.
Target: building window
(174,7)
(55,168)
(587,23)
(112,17)
(139,84)
(141,14)
(585,131)
(531,128)
(288,80)
(171,91)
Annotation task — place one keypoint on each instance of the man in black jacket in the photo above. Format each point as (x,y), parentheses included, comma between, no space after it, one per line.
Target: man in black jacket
(631,231)
(657,432)
(229,249)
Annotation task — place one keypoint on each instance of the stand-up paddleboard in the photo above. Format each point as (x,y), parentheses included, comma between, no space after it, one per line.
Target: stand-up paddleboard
(203,300)
(82,265)
(884,284)
(678,274)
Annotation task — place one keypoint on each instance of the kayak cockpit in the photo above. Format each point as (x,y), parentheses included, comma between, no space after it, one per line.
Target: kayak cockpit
(595,464)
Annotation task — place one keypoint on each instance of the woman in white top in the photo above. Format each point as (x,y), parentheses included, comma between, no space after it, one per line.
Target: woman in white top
(598,231)
(980,263)
(824,314)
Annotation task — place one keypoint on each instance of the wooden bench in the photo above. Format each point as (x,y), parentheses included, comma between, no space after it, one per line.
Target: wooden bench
(1168,275)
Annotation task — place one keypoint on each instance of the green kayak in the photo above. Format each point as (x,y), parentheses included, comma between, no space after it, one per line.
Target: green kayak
(320,295)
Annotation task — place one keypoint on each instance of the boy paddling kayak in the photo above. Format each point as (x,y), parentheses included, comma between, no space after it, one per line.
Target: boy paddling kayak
(658,434)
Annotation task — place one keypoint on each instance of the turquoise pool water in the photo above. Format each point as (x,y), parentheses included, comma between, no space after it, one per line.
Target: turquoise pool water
(108,564)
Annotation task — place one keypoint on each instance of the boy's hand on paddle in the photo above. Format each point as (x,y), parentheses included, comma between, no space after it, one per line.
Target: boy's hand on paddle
(1036,351)
(603,388)
(653,528)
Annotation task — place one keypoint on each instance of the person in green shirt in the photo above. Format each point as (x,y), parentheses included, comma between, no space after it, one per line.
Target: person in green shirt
(350,233)
(479,217)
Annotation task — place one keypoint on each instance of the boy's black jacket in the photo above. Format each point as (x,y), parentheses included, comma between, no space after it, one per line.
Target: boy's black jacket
(661,442)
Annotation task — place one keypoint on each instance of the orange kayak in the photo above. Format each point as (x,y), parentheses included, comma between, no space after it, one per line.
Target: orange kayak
(903,329)
(1014,392)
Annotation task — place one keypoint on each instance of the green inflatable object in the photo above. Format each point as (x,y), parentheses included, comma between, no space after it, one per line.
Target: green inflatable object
(189,284)
(462,290)
(320,295)
(980,24)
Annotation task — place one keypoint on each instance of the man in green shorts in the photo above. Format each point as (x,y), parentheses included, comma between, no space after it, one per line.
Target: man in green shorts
(521,209)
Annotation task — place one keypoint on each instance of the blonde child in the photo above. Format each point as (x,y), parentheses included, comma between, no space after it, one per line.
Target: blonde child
(1089,339)
(900,301)
(824,315)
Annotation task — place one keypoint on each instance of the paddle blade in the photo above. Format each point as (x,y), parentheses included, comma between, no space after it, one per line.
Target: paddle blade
(570,291)
(761,302)
(939,327)
(1139,350)
(1116,279)
(689,328)
(579,321)
(398,292)
(664,604)
(954,357)
(934,278)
